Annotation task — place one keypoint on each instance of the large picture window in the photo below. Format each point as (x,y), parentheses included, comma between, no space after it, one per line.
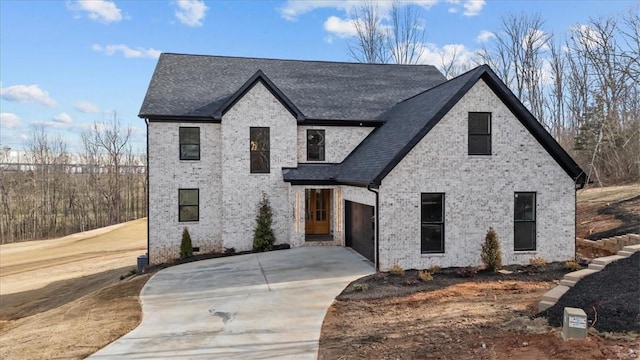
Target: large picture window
(432,234)
(479,133)
(189,143)
(315,145)
(524,229)
(259,148)
(188,204)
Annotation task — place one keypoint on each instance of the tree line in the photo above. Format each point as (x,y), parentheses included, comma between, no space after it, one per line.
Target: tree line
(583,86)
(53,192)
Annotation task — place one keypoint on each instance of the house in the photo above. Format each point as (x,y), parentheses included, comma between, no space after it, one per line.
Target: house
(337,146)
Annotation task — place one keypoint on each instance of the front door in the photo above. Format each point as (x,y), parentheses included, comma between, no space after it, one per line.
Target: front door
(318,215)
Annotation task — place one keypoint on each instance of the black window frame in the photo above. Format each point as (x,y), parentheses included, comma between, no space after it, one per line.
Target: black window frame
(431,223)
(523,222)
(186,143)
(478,135)
(253,153)
(322,146)
(181,206)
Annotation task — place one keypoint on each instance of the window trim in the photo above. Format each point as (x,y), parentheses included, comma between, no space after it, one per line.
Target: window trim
(181,206)
(534,221)
(268,152)
(180,143)
(441,223)
(324,145)
(487,135)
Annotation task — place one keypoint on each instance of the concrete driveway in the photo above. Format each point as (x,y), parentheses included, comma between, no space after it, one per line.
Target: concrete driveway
(257,306)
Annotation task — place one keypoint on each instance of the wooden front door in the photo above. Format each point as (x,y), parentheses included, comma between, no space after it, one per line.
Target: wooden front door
(318,211)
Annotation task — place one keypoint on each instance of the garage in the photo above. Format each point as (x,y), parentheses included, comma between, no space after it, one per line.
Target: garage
(359,228)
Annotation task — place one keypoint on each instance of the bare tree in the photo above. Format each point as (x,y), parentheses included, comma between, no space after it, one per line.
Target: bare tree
(517,53)
(369,44)
(396,37)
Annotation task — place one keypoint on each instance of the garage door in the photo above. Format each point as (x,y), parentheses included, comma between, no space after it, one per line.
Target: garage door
(359,228)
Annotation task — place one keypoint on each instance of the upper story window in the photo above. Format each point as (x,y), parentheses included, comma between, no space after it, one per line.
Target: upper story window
(432,217)
(259,148)
(524,229)
(479,133)
(189,143)
(315,145)
(188,204)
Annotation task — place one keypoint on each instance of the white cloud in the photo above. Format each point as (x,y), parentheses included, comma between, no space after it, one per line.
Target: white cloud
(87,107)
(27,94)
(339,27)
(62,118)
(294,8)
(100,10)
(485,36)
(127,51)
(440,56)
(9,121)
(191,12)
(473,7)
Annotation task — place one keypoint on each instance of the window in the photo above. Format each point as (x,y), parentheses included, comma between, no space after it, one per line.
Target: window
(315,145)
(524,217)
(432,223)
(189,143)
(259,149)
(188,204)
(479,133)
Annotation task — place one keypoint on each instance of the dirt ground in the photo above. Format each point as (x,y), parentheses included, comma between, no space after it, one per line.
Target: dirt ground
(607,212)
(64,298)
(469,320)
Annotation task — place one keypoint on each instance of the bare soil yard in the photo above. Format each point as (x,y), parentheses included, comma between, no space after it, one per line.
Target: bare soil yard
(609,211)
(63,298)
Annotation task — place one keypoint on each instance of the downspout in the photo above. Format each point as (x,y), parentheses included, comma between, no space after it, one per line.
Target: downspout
(146,121)
(377,229)
(575,213)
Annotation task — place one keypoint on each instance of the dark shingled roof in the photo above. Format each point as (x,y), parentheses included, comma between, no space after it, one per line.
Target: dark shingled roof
(410,120)
(198,86)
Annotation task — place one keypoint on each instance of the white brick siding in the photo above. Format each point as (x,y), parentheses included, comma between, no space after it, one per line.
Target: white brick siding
(339,141)
(167,174)
(479,191)
(241,190)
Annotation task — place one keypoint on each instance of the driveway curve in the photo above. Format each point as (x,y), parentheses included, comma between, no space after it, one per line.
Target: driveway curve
(256,306)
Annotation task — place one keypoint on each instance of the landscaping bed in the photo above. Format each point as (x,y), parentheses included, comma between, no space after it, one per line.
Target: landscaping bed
(487,316)
(384,285)
(610,297)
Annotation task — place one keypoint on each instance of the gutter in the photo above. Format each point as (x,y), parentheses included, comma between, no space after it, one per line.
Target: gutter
(377,228)
(146,121)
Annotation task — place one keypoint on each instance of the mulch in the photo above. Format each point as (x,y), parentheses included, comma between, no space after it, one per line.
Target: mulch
(610,298)
(629,219)
(382,286)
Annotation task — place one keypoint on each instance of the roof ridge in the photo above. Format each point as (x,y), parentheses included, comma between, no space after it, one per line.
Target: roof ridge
(300,60)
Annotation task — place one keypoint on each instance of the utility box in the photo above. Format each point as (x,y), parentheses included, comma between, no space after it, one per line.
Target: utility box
(143,262)
(574,324)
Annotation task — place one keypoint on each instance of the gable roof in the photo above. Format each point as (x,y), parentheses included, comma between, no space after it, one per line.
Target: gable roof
(198,86)
(259,76)
(410,120)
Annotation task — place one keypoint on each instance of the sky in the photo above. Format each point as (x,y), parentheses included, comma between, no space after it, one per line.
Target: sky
(66,65)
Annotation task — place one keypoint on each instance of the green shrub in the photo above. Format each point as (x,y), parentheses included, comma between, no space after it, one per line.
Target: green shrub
(186,248)
(491,254)
(263,238)
(360,287)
